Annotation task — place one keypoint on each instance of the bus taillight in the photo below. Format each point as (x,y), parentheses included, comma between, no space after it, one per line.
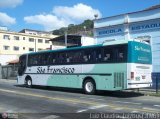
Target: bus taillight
(143,77)
(132,75)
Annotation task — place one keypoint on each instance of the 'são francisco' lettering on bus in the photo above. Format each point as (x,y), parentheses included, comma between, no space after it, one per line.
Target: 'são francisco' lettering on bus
(42,70)
(142,49)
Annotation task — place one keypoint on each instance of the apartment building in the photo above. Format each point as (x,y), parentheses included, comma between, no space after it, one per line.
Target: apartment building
(13,44)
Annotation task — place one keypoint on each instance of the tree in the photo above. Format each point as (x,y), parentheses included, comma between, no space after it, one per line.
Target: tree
(87,25)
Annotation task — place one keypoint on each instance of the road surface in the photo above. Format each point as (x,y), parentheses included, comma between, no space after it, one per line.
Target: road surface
(55,103)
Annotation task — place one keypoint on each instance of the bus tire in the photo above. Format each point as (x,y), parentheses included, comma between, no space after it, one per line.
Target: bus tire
(28,82)
(89,87)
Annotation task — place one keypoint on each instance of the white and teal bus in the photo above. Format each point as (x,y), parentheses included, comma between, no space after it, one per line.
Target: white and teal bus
(114,65)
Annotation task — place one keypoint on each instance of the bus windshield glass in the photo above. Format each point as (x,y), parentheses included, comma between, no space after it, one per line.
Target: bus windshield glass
(139,53)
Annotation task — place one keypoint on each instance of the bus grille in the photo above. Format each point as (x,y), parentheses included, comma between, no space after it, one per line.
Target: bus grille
(118,79)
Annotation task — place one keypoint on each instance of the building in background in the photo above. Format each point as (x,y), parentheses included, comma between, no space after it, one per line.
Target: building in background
(13,44)
(72,41)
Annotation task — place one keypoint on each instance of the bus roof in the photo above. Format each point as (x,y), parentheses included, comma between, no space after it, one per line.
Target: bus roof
(115,42)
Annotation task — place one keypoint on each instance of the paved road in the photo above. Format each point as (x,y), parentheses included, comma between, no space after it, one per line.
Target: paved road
(54,103)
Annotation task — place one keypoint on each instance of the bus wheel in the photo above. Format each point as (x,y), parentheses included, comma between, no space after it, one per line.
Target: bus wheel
(28,83)
(89,87)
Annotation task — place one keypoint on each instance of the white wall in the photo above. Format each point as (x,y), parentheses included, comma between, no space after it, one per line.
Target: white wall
(88,41)
(6,58)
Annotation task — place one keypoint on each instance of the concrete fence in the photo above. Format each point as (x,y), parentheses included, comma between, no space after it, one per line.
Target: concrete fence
(8,71)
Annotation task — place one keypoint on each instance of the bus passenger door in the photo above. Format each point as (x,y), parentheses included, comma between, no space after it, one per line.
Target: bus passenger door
(22,65)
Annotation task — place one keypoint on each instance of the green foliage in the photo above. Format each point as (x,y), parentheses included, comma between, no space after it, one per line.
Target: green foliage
(155,94)
(82,29)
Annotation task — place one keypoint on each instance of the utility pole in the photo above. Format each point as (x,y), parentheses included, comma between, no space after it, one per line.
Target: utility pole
(66,37)
(85,30)
(35,45)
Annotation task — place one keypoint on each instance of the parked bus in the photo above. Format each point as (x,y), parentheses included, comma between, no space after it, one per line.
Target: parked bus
(114,65)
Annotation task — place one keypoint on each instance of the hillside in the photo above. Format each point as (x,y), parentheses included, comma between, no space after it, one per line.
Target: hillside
(86,28)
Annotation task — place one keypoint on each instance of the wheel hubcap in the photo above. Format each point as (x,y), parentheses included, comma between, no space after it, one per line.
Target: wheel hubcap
(89,87)
(29,82)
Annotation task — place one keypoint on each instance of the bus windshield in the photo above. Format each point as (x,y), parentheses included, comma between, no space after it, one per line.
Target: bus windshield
(22,65)
(139,53)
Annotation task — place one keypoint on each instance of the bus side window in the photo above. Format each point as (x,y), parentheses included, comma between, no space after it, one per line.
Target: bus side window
(121,53)
(71,58)
(46,58)
(79,56)
(108,55)
(53,59)
(61,58)
(68,57)
(34,60)
(49,58)
(38,59)
(75,57)
(85,58)
(97,55)
(30,60)
(88,56)
(41,59)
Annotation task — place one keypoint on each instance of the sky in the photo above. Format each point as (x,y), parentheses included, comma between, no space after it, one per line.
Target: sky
(48,15)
